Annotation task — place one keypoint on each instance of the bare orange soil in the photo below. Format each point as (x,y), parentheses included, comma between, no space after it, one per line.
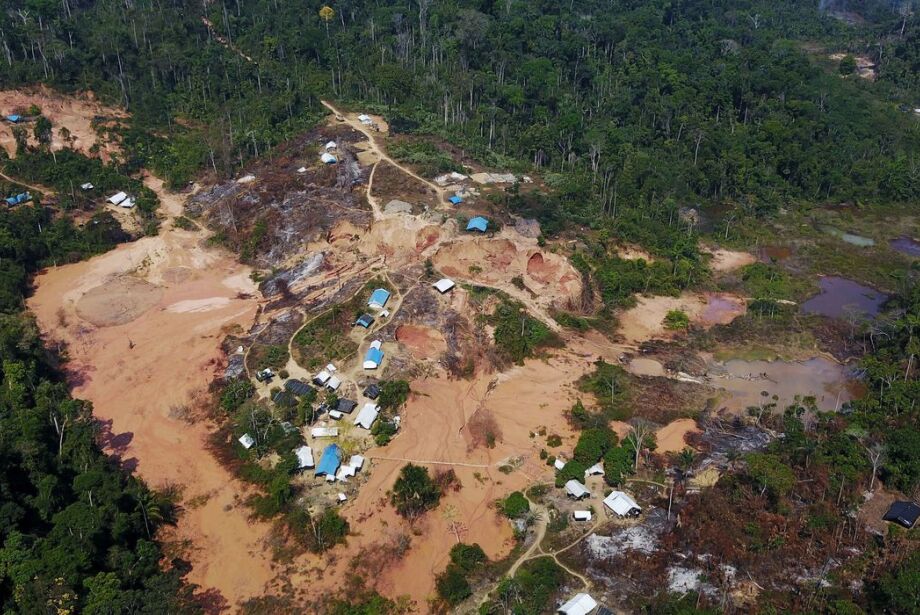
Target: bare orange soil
(724,260)
(140,356)
(645,321)
(422,342)
(440,424)
(672,437)
(73,112)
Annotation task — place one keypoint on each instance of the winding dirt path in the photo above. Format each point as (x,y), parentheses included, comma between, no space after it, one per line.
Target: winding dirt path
(375,147)
(19,182)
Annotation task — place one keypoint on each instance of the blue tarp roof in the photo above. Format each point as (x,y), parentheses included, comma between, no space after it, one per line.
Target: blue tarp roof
(477,224)
(330,461)
(456,200)
(22,197)
(13,118)
(379,297)
(375,355)
(365,320)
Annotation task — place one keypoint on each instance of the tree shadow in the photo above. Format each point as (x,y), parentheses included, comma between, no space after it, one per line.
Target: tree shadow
(211,601)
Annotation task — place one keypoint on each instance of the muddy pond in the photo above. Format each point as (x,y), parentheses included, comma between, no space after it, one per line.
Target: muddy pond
(840,297)
(905,245)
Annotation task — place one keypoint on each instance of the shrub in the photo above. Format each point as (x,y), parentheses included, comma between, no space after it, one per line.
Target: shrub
(452,585)
(676,320)
(593,443)
(515,505)
(467,557)
(414,492)
(393,394)
(235,393)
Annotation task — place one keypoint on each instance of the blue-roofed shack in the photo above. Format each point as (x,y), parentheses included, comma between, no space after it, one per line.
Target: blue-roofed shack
(456,200)
(478,224)
(330,461)
(379,298)
(365,320)
(13,119)
(373,358)
(22,197)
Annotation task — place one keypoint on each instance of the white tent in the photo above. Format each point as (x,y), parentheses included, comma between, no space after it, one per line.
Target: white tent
(334,383)
(331,368)
(356,461)
(582,515)
(117,198)
(247,441)
(128,203)
(559,464)
(367,416)
(344,473)
(330,145)
(595,470)
(443,285)
(580,604)
(376,344)
(365,119)
(335,414)
(304,457)
(324,432)
(621,504)
(576,490)
(302,170)
(322,378)
(87,186)
(327,158)
(342,497)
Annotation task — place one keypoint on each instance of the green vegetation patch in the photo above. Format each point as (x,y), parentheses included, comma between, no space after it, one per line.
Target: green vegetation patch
(518,335)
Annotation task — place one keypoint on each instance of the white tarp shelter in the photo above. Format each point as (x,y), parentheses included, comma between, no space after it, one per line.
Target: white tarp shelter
(327,158)
(356,461)
(365,119)
(86,186)
(335,414)
(367,416)
(621,504)
(247,441)
(322,377)
(443,285)
(330,145)
(324,432)
(128,203)
(334,383)
(576,490)
(344,473)
(582,515)
(331,368)
(342,497)
(596,470)
(117,198)
(304,457)
(559,464)
(580,604)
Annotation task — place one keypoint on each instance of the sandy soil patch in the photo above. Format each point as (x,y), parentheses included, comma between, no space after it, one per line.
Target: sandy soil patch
(724,260)
(367,156)
(118,301)
(169,362)
(645,321)
(496,261)
(672,437)
(620,428)
(422,342)
(73,112)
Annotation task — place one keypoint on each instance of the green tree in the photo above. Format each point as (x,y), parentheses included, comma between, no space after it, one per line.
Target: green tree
(414,492)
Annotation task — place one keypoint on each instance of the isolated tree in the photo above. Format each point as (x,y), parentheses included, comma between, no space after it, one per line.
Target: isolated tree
(414,492)
(327,14)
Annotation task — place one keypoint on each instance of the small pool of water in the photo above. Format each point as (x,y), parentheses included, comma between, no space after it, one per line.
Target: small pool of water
(906,245)
(851,238)
(745,383)
(839,297)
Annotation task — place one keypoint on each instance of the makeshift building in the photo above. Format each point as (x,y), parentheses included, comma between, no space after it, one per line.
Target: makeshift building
(297,387)
(456,200)
(443,285)
(325,432)
(330,461)
(13,119)
(128,203)
(478,224)
(86,186)
(356,461)
(321,378)
(582,515)
(372,391)
(367,415)
(596,470)
(330,145)
(334,383)
(304,457)
(342,498)
(346,405)
(373,358)
(365,119)
(327,158)
(576,490)
(559,464)
(117,198)
(284,399)
(335,414)
(379,298)
(903,513)
(622,505)
(365,320)
(580,604)
(247,441)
